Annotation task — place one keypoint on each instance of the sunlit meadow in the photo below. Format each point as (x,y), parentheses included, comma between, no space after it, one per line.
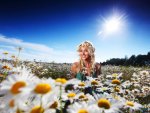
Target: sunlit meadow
(38,44)
(35,87)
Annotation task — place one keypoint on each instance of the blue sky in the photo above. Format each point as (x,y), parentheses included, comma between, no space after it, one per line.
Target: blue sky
(50,30)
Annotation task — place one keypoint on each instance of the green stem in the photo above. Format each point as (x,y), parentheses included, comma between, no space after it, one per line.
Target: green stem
(61,110)
(103,111)
(41,101)
(18,54)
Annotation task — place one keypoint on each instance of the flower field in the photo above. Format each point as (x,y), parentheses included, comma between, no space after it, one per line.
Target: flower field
(31,87)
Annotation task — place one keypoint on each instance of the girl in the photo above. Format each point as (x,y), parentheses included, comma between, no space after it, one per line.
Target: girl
(86,65)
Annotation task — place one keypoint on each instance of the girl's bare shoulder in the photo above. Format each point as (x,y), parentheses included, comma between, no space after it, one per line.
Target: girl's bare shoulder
(97,65)
(75,65)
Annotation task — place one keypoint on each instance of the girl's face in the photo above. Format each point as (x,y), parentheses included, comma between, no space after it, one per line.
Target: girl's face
(83,53)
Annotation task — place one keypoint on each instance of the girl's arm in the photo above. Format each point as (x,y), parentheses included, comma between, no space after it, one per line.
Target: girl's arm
(74,70)
(98,69)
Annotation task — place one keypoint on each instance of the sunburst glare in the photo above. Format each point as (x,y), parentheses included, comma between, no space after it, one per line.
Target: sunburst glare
(113,25)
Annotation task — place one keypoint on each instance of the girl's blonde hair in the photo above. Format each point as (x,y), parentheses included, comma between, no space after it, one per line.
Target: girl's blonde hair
(91,51)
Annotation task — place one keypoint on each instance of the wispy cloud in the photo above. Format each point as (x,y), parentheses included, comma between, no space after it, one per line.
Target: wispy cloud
(18,42)
(35,51)
(7,47)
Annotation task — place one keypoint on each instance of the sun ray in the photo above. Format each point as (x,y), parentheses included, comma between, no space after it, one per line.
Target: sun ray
(113,24)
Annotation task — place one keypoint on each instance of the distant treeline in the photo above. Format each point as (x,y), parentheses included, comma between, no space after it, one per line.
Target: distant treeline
(139,60)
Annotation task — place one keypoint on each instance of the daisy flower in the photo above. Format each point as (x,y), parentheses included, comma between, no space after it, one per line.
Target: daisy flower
(81,108)
(81,97)
(39,88)
(144,73)
(14,83)
(70,95)
(116,81)
(106,103)
(11,88)
(132,106)
(61,81)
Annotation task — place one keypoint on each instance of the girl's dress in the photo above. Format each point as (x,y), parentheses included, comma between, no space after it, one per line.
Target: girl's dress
(82,77)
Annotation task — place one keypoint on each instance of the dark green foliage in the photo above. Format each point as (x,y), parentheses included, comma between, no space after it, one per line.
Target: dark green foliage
(139,60)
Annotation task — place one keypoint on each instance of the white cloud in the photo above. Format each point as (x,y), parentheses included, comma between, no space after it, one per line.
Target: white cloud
(7,47)
(18,42)
(35,51)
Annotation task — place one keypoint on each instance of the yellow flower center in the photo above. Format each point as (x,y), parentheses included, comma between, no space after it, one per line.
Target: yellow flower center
(5,53)
(19,111)
(42,88)
(12,56)
(104,103)
(144,73)
(130,103)
(82,96)
(86,99)
(94,82)
(117,89)
(146,89)
(37,109)
(16,86)
(1,75)
(54,105)
(6,67)
(71,95)
(12,103)
(82,111)
(117,97)
(82,84)
(115,81)
(61,80)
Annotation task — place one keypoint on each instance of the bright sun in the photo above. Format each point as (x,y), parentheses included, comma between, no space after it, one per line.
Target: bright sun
(112,25)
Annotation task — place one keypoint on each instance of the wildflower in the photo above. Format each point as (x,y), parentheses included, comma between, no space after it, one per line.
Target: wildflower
(81,84)
(126,84)
(54,105)
(82,96)
(5,53)
(82,111)
(132,105)
(129,103)
(46,104)
(14,83)
(117,89)
(87,98)
(144,73)
(135,91)
(94,82)
(16,86)
(71,95)
(6,67)
(61,80)
(13,56)
(12,87)
(51,101)
(42,88)
(104,103)
(37,109)
(12,103)
(80,108)
(116,81)
(1,75)
(115,75)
